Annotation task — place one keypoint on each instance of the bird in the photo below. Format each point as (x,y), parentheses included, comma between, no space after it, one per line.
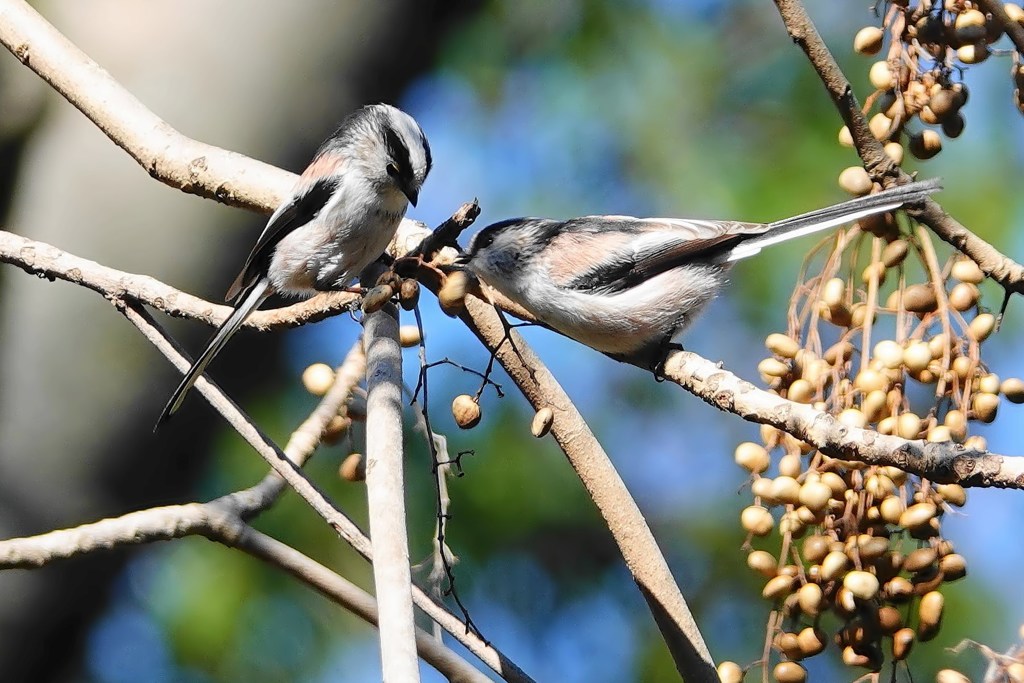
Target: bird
(627,286)
(341,215)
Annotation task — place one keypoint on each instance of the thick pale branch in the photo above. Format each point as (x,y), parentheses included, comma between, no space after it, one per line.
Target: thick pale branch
(295,478)
(385,495)
(945,462)
(1004,270)
(167,155)
(639,549)
(44,260)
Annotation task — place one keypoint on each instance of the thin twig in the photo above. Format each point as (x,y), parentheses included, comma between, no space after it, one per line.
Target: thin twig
(344,526)
(354,599)
(47,261)
(447,234)
(442,562)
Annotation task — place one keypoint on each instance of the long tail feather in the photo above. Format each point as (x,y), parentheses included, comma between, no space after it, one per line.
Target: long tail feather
(249,303)
(832,216)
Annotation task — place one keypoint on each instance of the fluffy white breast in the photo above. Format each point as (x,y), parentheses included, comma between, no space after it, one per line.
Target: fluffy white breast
(623,323)
(353,229)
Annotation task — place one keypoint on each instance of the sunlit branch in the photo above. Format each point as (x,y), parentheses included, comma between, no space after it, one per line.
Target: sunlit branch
(1004,270)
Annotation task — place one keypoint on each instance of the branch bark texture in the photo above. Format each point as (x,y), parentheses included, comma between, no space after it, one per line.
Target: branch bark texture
(945,462)
(385,493)
(588,458)
(234,179)
(295,478)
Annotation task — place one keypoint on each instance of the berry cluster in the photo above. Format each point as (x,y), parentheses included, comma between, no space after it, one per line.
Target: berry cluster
(885,337)
(931,44)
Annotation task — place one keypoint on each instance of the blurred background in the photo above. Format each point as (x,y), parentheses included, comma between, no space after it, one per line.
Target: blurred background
(700,108)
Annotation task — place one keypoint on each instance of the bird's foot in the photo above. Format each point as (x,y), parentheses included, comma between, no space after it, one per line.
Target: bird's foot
(659,368)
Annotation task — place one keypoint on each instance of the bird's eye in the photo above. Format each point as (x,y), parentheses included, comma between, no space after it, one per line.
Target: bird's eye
(392,169)
(485,240)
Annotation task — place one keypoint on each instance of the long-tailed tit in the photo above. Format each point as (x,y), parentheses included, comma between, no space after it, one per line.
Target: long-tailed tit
(341,215)
(628,286)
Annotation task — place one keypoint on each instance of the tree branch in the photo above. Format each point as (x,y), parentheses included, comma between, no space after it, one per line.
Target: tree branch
(44,260)
(385,494)
(945,462)
(639,549)
(217,521)
(290,472)
(1004,270)
(1014,30)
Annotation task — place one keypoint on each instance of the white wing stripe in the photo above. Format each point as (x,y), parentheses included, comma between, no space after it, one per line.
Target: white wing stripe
(754,245)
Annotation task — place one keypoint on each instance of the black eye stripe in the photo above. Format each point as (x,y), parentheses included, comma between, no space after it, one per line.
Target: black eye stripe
(398,151)
(426,151)
(486,237)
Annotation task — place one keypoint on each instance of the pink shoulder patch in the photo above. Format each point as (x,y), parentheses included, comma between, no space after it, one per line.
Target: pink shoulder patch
(574,253)
(326,164)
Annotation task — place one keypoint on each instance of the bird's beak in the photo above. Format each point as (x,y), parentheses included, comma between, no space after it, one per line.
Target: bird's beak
(463,259)
(410,191)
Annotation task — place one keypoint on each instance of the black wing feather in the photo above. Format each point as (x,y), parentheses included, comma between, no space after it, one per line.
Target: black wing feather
(627,268)
(300,211)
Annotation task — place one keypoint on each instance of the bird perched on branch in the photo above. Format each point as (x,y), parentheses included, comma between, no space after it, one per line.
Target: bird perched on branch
(342,214)
(629,286)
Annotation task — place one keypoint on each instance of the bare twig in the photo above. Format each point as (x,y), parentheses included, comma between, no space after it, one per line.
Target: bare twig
(44,260)
(354,599)
(447,234)
(385,493)
(1004,270)
(217,521)
(945,462)
(289,471)
(437,444)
